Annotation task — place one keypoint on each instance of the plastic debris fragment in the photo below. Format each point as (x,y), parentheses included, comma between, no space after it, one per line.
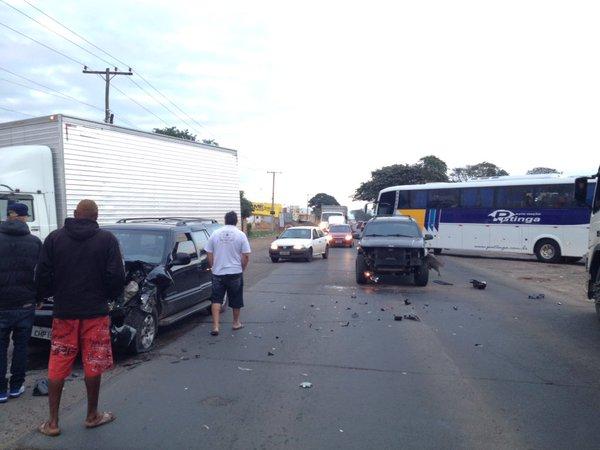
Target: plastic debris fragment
(245,369)
(477,284)
(40,388)
(412,317)
(355,315)
(345,324)
(407,302)
(536,296)
(397,318)
(306,385)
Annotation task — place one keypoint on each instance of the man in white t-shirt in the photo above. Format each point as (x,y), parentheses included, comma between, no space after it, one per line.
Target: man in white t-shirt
(228,254)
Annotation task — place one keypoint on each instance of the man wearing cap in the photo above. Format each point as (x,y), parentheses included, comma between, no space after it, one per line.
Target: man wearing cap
(82,268)
(19,253)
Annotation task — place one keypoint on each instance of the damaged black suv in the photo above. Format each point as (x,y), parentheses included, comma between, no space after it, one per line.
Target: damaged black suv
(167,279)
(392,245)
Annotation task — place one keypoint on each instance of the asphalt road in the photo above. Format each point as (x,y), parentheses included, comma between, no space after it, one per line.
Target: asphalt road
(482,369)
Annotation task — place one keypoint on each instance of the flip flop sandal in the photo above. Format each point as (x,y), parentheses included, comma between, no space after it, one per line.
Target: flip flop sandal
(47,431)
(106,417)
(238,328)
(214,333)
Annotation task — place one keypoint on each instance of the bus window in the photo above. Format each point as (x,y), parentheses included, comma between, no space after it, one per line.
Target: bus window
(477,198)
(403,202)
(418,199)
(508,197)
(555,196)
(590,192)
(443,198)
(387,204)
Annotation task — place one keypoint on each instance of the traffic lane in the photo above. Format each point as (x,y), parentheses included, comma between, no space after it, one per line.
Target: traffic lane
(415,384)
(363,381)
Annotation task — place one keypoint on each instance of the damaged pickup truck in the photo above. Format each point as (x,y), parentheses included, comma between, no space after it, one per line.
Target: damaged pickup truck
(168,279)
(392,245)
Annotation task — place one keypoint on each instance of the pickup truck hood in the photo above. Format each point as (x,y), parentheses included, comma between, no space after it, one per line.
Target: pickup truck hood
(287,242)
(391,242)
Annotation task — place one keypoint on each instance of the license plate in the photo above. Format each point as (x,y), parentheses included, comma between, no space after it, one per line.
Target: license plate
(284,253)
(41,333)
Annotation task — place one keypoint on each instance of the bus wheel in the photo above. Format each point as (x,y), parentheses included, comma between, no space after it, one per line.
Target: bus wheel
(437,251)
(547,250)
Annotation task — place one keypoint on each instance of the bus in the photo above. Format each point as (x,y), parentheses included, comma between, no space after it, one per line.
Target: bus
(534,214)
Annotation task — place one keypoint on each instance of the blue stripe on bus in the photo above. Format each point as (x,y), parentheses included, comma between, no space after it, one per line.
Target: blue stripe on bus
(517,216)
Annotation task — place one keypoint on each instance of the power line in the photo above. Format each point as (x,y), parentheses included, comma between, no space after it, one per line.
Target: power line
(15,111)
(121,62)
(42,44)
(55,32)
(140,105)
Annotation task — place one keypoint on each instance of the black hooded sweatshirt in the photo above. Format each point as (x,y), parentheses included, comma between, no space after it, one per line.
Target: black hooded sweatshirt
(19,253)
(81,266)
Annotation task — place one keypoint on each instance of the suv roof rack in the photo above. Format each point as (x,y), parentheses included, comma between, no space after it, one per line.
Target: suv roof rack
(177,220)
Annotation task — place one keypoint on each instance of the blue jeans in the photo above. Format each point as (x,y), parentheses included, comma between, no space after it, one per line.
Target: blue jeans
(19,323)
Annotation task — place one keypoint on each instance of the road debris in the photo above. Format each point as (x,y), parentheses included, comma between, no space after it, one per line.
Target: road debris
(412,317)
(536,296)
(352,296)
(40,388)
(398,318)
(443,283)
(455,308)
(407,302)
(345,324)
(206,426)
(306,385)
(245,369)
(355,315)
(478,345)
(477,284)
(382,309)
(434,263)
(270,354)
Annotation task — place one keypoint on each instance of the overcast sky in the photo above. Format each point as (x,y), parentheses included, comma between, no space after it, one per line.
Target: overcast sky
(327,91)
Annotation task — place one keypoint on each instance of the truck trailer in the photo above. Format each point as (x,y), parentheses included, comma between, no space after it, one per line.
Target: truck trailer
(51,163)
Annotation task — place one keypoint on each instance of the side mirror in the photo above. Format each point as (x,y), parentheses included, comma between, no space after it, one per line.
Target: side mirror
(581,188)
(181,259)
(428,237)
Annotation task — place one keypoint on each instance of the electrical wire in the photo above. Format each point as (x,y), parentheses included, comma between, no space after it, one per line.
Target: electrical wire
(15,111)
(139,104)
(42,44)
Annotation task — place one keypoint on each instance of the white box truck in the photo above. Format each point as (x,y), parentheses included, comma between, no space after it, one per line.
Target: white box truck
(51,163)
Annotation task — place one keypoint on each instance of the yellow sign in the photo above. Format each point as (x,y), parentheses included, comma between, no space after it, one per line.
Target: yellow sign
(264,209)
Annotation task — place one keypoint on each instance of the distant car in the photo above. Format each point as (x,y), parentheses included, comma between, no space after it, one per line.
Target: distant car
(341,236)
(392,245)
(299,243)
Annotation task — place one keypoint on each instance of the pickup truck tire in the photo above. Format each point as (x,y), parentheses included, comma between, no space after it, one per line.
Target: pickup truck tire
(361,268)
(309,255)
(274,259)
(422,275)
(146,326)
(326,254)
(547,250)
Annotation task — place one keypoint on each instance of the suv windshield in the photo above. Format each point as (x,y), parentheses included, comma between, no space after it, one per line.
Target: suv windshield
(339,229)
(141,245)
(295,234)
(395,228)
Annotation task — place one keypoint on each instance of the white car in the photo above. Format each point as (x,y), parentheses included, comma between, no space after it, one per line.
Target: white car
(300,243)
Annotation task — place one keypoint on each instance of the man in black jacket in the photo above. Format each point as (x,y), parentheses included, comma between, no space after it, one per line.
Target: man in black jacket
(19,253)
(82,268)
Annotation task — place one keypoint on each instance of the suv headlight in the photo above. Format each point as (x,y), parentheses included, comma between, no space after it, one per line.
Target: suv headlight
(273,246)
(299,247)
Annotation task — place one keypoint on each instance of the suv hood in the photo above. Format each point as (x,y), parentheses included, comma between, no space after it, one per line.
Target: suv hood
(392,242)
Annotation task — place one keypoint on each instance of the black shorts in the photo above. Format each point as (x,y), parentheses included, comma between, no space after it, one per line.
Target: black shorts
(232,285)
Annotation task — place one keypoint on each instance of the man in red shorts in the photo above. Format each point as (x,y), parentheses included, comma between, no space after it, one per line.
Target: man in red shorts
(82,268)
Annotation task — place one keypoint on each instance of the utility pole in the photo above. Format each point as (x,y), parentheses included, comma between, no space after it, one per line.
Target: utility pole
(107,75)
(273,198)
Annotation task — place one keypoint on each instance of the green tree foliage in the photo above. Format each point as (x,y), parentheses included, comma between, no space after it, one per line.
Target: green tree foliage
(175,132)
(429,169)
(541,171)
(481,170)
(321,199)
(246,206)
(210,142)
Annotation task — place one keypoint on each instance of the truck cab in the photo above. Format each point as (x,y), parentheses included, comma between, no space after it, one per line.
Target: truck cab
(27,178)
(582,196)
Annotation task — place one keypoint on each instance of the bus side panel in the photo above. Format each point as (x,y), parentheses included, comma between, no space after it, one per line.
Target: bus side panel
(417,214)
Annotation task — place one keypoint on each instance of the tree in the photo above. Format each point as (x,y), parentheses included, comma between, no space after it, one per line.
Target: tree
(246,206)
(319,200)
(481,170)
(541,171)
(429,169)
(175,132)
(210,142)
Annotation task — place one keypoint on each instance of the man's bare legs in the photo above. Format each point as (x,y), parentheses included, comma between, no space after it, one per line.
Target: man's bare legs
(236,318)
(92,385)
(215,309)
(55,388)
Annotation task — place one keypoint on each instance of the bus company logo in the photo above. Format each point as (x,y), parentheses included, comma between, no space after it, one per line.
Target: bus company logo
(506,216)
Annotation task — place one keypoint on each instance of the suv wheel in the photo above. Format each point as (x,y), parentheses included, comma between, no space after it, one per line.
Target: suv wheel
(422,275)
(146,326)
(361,268)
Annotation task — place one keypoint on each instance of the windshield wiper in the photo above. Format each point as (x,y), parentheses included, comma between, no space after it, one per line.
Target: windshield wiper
(401,235)
(374,235)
